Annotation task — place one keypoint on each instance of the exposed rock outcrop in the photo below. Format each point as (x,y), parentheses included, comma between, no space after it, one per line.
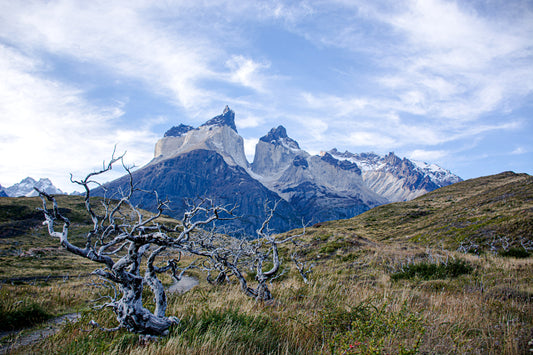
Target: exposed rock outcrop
(205,173)
(209,161)
(218,134)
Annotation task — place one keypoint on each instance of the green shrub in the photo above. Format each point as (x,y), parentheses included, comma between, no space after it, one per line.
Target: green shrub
(433,271)
(333,246)
(515,253)
(351,256)
(379,329)
(337,319)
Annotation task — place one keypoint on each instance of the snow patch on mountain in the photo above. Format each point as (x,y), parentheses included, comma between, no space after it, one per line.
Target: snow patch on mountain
(395,178)
(437,173)
(26,188)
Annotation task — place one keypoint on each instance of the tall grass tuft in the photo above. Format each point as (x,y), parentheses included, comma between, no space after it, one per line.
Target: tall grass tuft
(257,332)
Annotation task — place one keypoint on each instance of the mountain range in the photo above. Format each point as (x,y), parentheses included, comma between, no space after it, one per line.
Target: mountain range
(209,161)
(26,188)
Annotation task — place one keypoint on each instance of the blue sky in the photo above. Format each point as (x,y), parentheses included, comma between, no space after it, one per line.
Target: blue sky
(449,82)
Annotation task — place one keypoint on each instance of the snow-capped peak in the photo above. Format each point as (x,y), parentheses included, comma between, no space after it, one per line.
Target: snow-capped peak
(26,188)
(365,161)
(437,173)
(395,178)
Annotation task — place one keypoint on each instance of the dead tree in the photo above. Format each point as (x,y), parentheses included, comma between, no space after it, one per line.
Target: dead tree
(232,259)
(123,239)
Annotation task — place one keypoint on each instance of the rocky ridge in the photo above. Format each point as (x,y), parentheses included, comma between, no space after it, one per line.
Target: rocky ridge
(218,134)
(209,161)
(397,179)
(26,188)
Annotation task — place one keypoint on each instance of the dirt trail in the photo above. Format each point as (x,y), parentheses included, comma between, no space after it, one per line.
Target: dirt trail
(53,326)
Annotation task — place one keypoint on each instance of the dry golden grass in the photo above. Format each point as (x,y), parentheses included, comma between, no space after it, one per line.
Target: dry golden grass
(352,299)
(486,312)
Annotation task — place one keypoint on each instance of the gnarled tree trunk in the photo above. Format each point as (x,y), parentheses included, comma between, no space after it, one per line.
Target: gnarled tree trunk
(124,237)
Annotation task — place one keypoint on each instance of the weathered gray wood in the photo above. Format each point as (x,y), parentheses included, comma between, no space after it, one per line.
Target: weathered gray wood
(123,238)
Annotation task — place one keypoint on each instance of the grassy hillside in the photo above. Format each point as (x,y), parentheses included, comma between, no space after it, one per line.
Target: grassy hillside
(478,210)
(388,281)
(26,249)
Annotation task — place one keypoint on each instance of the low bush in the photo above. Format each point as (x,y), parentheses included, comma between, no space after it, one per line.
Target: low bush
(433,271)
(515,253)
(379,329)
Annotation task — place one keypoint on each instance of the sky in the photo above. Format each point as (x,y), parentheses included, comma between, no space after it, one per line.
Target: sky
(446,82)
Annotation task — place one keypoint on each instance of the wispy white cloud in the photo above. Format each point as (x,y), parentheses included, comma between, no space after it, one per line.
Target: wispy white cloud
(313,128)
(247,72)
(519,150)
(427,155)
(247,121)
(444,70)
(46,123)
(434,58)
(376,123)
(462,64)
(411,75)
(123,39)
(369,139)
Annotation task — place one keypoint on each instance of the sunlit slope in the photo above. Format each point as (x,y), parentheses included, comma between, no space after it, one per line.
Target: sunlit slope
(496,206)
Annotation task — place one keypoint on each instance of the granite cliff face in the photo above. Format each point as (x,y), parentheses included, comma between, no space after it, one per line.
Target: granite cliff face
(205,173)
(209,161)
(275,152)
(218,134)
(319,187)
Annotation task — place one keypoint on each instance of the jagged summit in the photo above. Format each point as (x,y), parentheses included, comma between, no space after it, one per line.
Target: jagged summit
(342,164)
(26,188)
(178,131)
(227,118)
(218,134)
(395,178)
(2,192)
(275,152)
(279,135)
